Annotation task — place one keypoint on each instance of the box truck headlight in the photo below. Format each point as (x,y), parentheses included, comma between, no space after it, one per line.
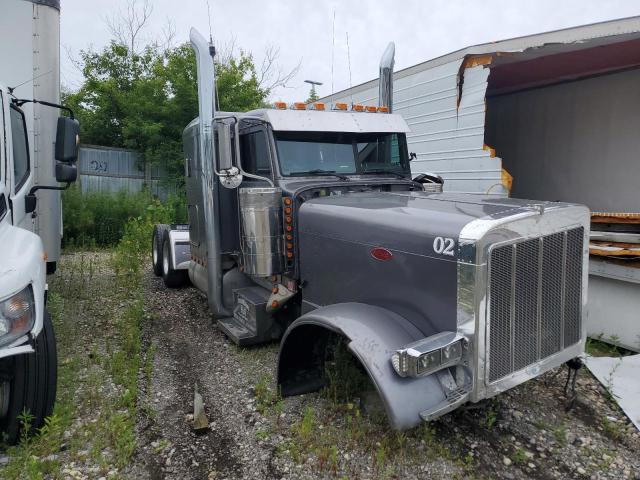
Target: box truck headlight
(17,316)
(429,355)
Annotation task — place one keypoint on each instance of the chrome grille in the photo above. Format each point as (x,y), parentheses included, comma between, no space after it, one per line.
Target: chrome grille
(535,300)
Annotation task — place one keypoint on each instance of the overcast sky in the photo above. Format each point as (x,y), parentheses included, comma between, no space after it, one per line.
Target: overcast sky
(302,29)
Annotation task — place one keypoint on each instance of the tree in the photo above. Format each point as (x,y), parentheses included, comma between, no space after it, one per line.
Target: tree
(143,101)
(142,97)
(313,96)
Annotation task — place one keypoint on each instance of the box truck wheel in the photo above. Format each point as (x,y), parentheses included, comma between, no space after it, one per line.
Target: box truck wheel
(172,278)
(28,383)
(156,247)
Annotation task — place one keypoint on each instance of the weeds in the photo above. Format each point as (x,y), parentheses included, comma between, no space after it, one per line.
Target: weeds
(519,456)
(97,400)
(99,219)
(560,434)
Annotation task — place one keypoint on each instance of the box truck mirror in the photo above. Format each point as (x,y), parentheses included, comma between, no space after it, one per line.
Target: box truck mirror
(66,172)
(67,140)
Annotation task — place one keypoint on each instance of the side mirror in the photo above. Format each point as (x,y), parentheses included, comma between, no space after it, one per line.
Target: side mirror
(224,146)
(66,172)
(67,140)
(30,202)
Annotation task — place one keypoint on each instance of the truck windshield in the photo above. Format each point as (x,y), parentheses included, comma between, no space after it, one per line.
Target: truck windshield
(322,153)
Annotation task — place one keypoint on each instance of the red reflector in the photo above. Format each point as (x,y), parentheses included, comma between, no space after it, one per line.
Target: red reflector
(380,253)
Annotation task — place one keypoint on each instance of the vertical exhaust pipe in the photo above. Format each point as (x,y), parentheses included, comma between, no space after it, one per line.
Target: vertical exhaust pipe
(205,52)
(385,84)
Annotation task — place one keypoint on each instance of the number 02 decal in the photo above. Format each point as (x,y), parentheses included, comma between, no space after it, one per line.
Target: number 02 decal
(444,246)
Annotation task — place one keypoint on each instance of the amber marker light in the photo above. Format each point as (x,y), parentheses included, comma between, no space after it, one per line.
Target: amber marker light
(288,201)
(274,304)
(318,106)
(289,254)
(371,109)
(289,246)
(340,106)
(287,210)
(383,109)
(357,108)
(280,105)
(288,219)
(289,228)
(299,106)
(289,237)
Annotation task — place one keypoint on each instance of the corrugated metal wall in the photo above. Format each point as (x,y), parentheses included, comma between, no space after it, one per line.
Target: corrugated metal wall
(447,137)
(104,169)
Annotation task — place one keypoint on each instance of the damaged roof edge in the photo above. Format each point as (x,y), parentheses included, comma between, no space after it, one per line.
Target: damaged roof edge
(568,35)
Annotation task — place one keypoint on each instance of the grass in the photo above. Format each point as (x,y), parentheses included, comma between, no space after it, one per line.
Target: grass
(94,420)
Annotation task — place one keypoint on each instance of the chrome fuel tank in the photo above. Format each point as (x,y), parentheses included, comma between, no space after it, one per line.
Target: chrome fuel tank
(261,230)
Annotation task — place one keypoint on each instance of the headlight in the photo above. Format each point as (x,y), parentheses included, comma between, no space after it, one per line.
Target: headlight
(17,316)
(429,355)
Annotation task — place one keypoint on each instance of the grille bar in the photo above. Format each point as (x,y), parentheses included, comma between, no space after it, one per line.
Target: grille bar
(535,294)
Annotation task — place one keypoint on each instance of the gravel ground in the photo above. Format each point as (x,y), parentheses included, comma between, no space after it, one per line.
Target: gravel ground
(523,433)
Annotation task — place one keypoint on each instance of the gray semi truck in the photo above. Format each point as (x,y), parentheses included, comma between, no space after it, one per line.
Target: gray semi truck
(306,226)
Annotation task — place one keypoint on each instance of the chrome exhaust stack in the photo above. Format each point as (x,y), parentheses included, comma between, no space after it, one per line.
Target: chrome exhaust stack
(205,52)
(385,84)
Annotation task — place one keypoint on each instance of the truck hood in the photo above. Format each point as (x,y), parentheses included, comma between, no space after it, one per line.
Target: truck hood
(402,221)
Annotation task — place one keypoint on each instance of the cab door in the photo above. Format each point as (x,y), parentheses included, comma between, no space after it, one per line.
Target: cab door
(19,167)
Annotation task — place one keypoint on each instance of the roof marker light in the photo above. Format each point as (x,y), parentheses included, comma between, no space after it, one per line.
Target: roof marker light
(357,108)
(318,106)
(280,105)
(371,108)
(383,109)
(299,106)
(340,106)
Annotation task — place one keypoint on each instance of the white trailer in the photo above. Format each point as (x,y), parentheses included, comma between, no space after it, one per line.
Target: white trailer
(30,66)
(552,116)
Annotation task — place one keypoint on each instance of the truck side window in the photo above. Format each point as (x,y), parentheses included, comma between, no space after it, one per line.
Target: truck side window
(21,167)
(254,153)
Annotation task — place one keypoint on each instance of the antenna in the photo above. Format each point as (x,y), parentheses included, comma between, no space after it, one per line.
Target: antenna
(209,17)
(349,61)
(11,89)
(333,47)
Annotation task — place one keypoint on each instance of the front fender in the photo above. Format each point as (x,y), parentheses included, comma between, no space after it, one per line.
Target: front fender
(373,334)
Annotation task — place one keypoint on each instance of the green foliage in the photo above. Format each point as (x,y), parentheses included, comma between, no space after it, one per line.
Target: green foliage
(143,101)
(98,219)
(313,96)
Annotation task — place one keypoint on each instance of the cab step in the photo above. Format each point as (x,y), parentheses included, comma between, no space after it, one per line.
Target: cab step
(251,324)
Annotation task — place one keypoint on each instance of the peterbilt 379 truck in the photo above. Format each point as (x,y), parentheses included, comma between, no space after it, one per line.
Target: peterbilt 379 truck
(306,226)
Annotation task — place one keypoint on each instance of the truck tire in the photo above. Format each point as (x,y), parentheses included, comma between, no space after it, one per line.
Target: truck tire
(156,247)
(172,278)
(31,384)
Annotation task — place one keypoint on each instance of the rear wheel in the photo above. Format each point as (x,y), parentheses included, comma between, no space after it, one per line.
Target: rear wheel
(172,278)
(156,247)
(28,384)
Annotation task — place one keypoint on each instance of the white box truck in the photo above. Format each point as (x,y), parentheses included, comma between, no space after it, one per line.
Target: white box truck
(30,206)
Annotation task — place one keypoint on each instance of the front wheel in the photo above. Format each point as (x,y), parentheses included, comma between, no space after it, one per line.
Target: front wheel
(28,384)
